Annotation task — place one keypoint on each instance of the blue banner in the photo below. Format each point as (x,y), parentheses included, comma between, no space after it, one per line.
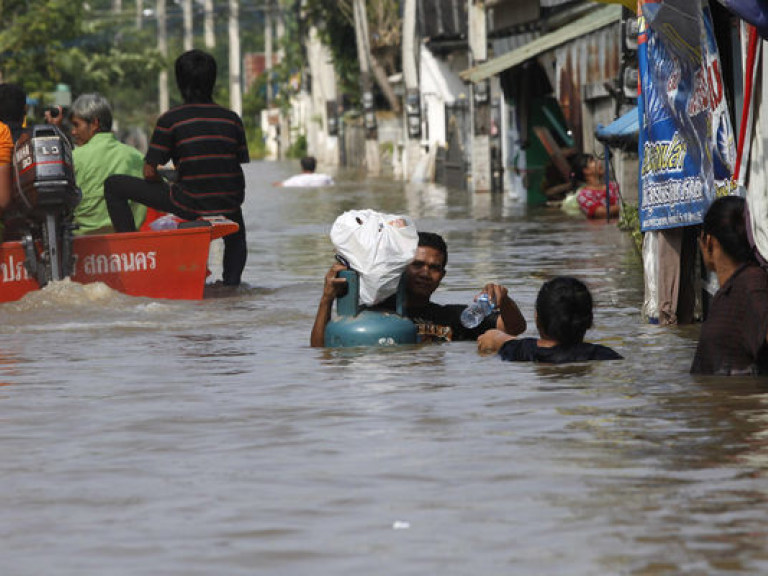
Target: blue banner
(687,148)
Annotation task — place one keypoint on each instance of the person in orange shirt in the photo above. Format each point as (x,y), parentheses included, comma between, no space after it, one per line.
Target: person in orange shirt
(6,148)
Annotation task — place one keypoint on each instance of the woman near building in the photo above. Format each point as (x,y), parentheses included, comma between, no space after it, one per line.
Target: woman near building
(589,171)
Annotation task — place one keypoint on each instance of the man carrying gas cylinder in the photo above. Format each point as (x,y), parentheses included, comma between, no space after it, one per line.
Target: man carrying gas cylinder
(435,322)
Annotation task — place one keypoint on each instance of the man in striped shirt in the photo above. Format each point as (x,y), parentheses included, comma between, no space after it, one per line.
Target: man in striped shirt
(206,143)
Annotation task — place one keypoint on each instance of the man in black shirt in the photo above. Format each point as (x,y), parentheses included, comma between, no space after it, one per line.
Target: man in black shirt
(433,321)
(206,143)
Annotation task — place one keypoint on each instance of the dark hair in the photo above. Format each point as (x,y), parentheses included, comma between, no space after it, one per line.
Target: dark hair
(196,76)
(564,310)
(578,164)
(725,221)
(432,240)
(13,103)
(308,163)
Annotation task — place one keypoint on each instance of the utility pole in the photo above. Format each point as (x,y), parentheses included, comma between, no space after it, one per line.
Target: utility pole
(480,100)
(372,159)
(268,51)
(412,112)
(186,8)
(163,100)
(235,82)
(285,117)
(139,13)
(210,37)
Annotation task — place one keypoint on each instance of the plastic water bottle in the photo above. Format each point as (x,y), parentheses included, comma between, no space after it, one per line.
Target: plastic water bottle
(477,311)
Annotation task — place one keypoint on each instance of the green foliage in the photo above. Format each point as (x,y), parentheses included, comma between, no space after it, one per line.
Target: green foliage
(36,35)
(254,101)
(335,24)
(86,46)
(299,147)
(257,148)
(629,221)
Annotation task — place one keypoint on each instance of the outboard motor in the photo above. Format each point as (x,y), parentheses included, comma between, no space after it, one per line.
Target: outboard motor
(44,198)
(354,327)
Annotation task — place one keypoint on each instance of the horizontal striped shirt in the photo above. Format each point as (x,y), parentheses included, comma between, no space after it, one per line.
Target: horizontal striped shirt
(206,143)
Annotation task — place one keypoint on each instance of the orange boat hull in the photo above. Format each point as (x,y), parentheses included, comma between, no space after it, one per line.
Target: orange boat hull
(156,264)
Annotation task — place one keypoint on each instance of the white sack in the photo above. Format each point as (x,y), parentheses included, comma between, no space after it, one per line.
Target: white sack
(651,276)
(378,247)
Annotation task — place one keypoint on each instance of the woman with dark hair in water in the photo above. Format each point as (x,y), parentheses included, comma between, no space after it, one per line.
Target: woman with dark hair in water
(563,316)
(733,337)
(590,171)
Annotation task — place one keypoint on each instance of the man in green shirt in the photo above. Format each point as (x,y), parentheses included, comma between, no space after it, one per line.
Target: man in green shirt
(97,156)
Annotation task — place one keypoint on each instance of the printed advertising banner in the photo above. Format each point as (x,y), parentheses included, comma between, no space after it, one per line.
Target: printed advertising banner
(686,139)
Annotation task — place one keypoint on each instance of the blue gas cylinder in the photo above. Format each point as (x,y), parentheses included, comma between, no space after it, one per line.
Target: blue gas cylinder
(356,327)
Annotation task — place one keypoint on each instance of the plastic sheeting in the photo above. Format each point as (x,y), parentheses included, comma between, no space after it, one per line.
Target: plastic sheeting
(757,187)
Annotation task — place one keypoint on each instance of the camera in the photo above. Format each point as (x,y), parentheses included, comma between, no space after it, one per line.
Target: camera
(53,111)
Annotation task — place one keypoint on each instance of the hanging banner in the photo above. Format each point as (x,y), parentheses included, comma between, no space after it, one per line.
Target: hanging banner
(687,148)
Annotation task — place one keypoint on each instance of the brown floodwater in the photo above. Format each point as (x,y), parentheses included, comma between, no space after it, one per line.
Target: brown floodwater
(168,438)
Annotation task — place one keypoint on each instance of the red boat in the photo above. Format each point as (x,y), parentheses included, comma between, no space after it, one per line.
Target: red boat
(157,264)
(154,263)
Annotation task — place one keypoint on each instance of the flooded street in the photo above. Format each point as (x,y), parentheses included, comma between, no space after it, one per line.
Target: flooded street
(196,438)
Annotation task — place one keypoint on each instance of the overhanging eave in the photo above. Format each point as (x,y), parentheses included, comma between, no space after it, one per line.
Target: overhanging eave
(601,18)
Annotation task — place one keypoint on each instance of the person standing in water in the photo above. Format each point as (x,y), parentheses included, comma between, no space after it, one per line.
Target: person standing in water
(733,337)
(563,316)
(308,177)
(434,322)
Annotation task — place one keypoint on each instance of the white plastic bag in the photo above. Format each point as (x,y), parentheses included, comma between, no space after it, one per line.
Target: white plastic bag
(378,247)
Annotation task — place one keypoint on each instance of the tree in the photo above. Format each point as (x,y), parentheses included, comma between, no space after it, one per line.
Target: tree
(87,46)
(334,20)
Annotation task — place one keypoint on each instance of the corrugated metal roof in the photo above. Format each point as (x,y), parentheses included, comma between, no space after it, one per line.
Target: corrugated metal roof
(600,18)
(513,42)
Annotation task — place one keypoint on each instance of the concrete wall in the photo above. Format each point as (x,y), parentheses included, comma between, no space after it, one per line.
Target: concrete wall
(440,85)
(319,143)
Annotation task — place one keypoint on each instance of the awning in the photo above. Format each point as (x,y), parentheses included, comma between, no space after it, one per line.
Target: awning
(622,132)
(600,18)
